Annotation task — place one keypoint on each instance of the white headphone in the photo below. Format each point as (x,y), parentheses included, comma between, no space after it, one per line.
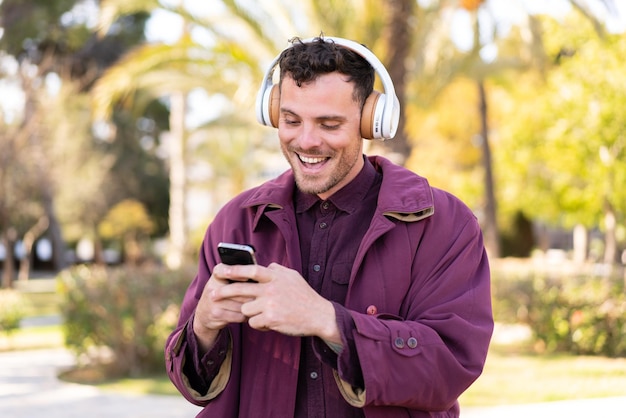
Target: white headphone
(381,111)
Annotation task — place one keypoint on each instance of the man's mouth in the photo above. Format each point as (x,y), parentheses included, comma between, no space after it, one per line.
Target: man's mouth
(311,160)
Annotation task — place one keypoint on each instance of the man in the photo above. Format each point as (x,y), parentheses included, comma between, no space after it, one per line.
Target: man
(371,296)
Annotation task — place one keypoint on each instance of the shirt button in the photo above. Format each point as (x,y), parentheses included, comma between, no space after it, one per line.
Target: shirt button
(323,225)
(412,342)
(399,342)
(317,267)
(372,310)
(313,375)
(325,205)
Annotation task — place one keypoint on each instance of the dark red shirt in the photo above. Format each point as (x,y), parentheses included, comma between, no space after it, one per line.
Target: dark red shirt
(330,232)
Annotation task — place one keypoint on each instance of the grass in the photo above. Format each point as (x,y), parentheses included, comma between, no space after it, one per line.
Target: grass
(514,376)
(42,304)
(40,296)
(31,338)
(155,385)
(513,373)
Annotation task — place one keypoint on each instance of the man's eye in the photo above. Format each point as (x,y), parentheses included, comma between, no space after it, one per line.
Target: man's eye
(291,122)
(330,126)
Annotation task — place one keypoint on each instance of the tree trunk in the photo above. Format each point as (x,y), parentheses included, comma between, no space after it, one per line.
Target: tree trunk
(35,132)
(178,181)
(610,239)
(29,240)
(581,243)
(398,40)
(8,269)
(490,224)
(54,229)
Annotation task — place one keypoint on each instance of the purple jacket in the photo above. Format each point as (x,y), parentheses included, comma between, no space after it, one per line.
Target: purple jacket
(419,294)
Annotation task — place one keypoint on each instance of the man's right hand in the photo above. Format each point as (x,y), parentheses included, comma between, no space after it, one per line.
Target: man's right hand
(213,312)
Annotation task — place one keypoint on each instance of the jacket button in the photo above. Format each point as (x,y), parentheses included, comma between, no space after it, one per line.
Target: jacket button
(372,310)
(399,342)
(412,342)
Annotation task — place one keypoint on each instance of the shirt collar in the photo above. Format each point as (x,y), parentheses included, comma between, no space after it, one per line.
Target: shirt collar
(348,197)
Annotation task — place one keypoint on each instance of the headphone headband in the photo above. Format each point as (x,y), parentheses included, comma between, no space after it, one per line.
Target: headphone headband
(379,119)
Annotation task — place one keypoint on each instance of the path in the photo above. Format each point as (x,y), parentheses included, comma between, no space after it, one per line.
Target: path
(29,387)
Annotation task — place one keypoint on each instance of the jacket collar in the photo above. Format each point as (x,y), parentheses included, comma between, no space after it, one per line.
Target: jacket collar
(404,195)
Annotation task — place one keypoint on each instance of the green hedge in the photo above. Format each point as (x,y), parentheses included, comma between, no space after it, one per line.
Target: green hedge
(128,312)
(579,311)
(120,317)
(13,308)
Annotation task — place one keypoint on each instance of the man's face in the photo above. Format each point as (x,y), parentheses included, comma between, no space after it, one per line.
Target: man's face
(320,135)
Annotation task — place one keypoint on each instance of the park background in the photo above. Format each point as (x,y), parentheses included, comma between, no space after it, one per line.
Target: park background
(125,125)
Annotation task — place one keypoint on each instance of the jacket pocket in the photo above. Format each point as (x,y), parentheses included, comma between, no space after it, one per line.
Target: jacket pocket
(340,277)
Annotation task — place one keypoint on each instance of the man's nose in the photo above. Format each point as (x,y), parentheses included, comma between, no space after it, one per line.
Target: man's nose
(309,136)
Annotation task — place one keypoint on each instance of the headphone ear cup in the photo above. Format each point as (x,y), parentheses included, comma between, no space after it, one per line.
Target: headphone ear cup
(274,105)
(371,116)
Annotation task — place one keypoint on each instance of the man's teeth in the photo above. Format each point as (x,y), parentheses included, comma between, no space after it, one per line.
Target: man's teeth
(311,160)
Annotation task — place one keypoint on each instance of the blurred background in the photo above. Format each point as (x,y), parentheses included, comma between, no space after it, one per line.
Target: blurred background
(126,124)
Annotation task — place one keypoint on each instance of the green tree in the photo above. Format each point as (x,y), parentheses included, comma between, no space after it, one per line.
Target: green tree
(422,57)
(128,222)
(33,37)
(49,41)
(492,57)
(265,27)
(170,71)
(57,55)
(565,150)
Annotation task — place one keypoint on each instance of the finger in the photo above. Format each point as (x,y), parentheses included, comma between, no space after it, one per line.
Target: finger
(233,316)
(226,316)
(239,273)
(276,267)
(247,272)
(257,323)
(251,308)
(217,315)
(241,292)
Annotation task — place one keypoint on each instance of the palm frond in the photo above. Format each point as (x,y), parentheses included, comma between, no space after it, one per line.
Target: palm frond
(111,10)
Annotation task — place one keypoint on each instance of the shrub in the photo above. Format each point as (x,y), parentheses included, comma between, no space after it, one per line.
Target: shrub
(12,310)
(580,311)
(126,312)
(579,316)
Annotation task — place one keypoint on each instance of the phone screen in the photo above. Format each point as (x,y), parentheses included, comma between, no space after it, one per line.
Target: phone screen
(233,254)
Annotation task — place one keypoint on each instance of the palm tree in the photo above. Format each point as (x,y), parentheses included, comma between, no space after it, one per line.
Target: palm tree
(244,40)
(169,71)
(527,54)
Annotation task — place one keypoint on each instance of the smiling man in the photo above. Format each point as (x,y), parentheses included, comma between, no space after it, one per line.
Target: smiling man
(320,134)
(371,296)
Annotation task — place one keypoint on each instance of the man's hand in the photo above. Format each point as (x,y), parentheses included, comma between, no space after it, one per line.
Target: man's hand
(214,311)
(281,301)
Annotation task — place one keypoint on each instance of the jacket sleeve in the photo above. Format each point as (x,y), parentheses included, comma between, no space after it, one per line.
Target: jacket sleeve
(198,378)
(425,355)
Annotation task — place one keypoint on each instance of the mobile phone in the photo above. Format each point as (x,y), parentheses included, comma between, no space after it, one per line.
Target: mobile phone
(236,253)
